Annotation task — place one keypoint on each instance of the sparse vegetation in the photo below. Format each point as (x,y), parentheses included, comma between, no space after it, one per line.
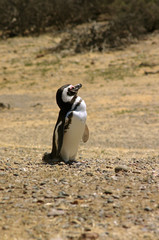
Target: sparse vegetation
(114,71)
(117,72)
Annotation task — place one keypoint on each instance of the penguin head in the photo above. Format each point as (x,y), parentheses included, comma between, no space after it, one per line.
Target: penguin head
(66,95)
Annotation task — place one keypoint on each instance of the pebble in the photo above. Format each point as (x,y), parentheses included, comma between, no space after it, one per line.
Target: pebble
(3,106)
(55,212)
(110,200)
(121,169)
(89,174)
(5,227)
(89,236)
(2,173)
(40,200)
(62,194)
(107,192)
(15,174)
(116,205)
(116,196)
(48,195)
(125,225)
(42,183)
(6,198)
(148,209)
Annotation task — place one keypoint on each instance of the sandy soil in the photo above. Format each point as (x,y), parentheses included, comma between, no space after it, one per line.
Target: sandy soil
(113,190)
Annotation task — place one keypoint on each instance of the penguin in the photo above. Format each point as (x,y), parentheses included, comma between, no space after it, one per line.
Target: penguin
(70,127)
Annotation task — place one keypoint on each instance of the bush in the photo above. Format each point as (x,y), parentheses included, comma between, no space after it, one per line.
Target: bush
(35,16)
(127,20)
(20,17)
(135,17)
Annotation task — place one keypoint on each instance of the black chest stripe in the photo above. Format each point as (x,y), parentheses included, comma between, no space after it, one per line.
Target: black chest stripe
(76,106)
(68,121)
(73,99)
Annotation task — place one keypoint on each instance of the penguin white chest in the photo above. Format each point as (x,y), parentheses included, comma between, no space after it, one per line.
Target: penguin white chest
(73,132)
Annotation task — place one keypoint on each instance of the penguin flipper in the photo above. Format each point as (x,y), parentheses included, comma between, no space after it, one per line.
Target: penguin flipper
(85,136)
(60,133)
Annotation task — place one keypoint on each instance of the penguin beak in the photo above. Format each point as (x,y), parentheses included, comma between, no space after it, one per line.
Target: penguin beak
(77,87)
(74,89)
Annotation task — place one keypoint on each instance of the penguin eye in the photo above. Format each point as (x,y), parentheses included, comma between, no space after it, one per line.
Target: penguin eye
(71,91)
(72,87)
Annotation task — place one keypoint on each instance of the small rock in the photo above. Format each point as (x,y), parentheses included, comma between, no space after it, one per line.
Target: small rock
(77,201)
(3,106)
(89,236)
(40,200)
(2,173)
(42,183)
(116,205)
(107,178)
(121,169)
(40,55)
(5,227)
(48,195)
(125,225)
(37,105)
(116,196)
(89,174)
(16,174)
(115,178)
(55,212)
(148,209)
(137,172)
(62,194)
(6,198)
(80,197)
(110,200)
(87,229)
(16,163)
(107,192)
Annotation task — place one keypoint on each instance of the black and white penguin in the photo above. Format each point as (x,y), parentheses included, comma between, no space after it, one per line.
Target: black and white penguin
(70,127)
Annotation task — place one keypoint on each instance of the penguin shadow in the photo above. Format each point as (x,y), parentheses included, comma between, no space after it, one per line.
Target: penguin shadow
(46,160)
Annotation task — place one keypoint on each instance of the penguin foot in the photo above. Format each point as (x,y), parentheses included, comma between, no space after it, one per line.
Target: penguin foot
(70,162)
(47,158)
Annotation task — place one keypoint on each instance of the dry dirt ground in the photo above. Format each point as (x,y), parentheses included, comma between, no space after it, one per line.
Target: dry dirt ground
(112,192)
